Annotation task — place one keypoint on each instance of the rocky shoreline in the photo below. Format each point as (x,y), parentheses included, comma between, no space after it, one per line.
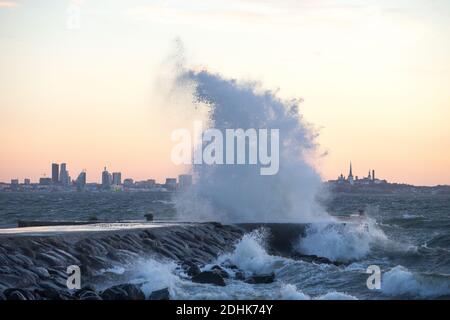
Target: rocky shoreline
(35,266)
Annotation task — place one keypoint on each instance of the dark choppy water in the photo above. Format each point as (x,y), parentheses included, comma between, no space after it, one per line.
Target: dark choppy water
(408,238)
(107,206)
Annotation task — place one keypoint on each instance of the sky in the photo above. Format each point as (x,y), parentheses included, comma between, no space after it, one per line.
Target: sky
(77,80)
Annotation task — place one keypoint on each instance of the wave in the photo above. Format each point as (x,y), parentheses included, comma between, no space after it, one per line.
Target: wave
(399,281)
(250,254)
(412,216)
(155,275)
(339,241)
(239,193)
(335,295)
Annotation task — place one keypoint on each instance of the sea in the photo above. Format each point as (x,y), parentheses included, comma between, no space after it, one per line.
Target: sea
(405,235)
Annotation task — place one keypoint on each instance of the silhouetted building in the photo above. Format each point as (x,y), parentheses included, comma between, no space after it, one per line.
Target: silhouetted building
(117,178)
(128,183)
(171,184)
(64,175)
(106,179)
(55,173)
(45,181)
(350,175)
(81,181)
(146,184)
(369,180)
(26,181)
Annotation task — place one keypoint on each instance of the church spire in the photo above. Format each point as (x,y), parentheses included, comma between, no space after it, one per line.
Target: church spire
(350,174)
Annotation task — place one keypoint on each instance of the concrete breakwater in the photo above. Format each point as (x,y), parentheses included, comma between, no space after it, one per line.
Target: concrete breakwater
(34,265)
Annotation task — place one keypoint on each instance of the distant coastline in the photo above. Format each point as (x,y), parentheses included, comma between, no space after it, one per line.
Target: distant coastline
(386,188)
(332,185)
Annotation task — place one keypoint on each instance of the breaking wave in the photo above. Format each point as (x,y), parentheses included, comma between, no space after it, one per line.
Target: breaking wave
(251,256)
(339,241)
(239,193)
(399,281)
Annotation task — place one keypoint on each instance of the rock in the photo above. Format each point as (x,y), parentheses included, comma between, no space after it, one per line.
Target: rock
(149,216)
(51,293)
(239,275)
(162,294)
(209,277)
(219,270)
(89,295)
(79,292)
(123,292)
(2,296)
(190,268)
(231,266)
(41,272)
(18,294)
(262,278)
(317,259)
(49,259)
(192,271)
(150,242)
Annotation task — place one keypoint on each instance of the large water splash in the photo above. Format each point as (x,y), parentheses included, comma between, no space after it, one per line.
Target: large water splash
(238,193)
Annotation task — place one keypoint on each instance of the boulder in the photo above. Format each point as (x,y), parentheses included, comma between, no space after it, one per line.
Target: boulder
(192,271)
(162,294)
(123,292)
(317,259)
(89,295)
(18,294)
(41,272)
(210,277)
(219,270)
(262,278)
(239,275)
(51,293)
(190,268)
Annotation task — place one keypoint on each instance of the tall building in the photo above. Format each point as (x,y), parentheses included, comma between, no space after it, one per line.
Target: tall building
(117,178)
(81,180)
(55,173)
(106,179)
(26,181)
(64,175)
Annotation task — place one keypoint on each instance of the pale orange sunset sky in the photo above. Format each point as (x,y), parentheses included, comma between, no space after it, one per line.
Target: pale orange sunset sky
(374,76)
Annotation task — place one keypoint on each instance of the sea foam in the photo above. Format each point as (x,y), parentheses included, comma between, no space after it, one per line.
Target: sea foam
(340,242)
(399,281)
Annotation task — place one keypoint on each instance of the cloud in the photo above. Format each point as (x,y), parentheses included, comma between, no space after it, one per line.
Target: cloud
(267,13)
(7,4)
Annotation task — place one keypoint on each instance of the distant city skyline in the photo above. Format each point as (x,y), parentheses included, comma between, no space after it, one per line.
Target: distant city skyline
(118,177)
(110,181)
